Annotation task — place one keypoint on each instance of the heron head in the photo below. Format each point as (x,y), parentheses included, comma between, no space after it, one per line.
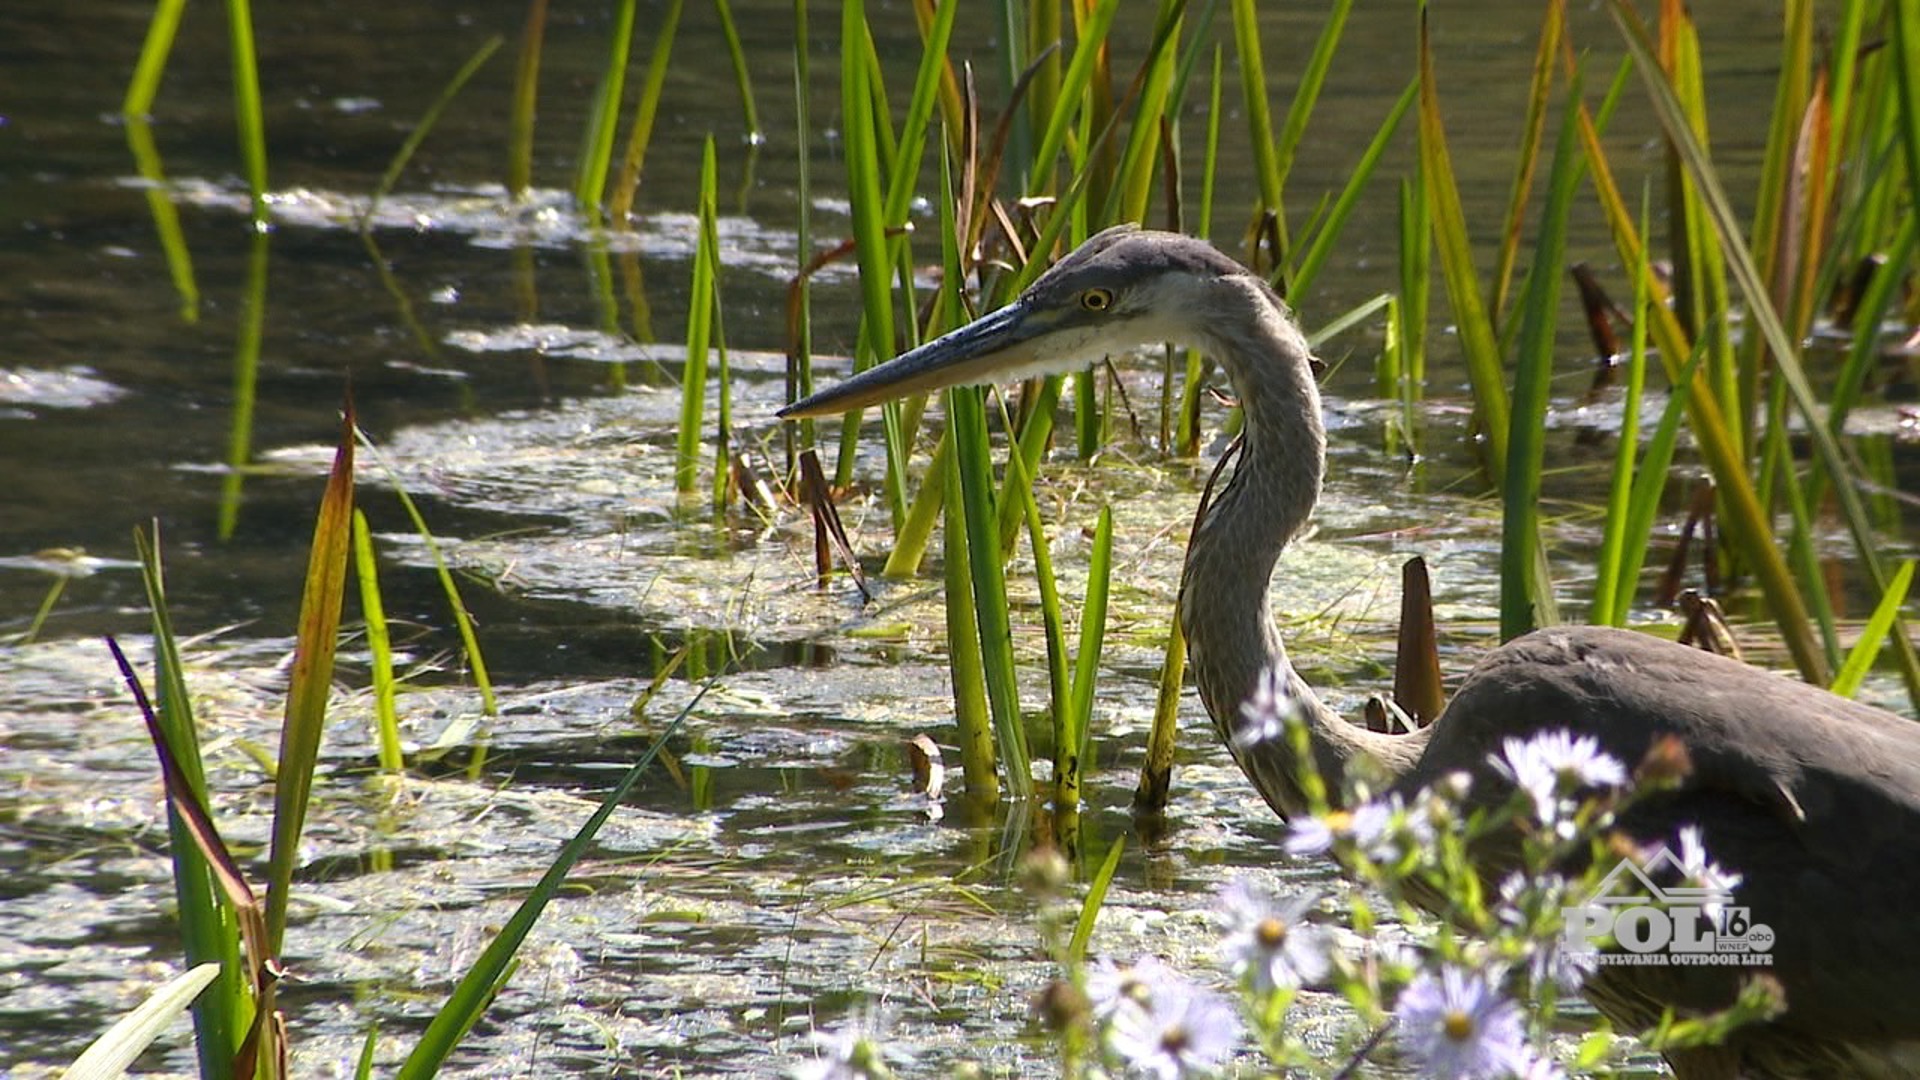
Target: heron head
(1122,288)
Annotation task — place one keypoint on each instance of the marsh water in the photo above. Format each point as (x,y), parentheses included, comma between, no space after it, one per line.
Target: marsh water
(784,875)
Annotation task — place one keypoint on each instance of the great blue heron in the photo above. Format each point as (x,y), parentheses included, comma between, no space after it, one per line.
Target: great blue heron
(1812,798)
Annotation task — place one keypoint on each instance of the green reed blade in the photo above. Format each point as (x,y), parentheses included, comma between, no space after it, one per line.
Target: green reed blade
(1096,896)
(967,417)
(1044,41)
(1846,682)
(1327,235)
(802,338)
(526,96)
(1904,46)
(1526,593)
(973,726)
(463,620)
(1156,771)
(248,115)
(633,162)
(425,126)
(379,646)
(1253,86)
(1032,447)
(1074,94)
(1127,200)
(246,383)
(603,120)
(1649,481)
(723,419)
(1527,160)
(1307,93)
(1210,165)
(311,679)
(209,931)
(1612,590)
(1066,738)
(482,982)
(1093,633)
(867,207)
(166,216)
(1477,338)
(901,182)
(363,1066)
(1416,290)
(144,86)
(911,539)
(1791,93)
(742,82)
(700,303)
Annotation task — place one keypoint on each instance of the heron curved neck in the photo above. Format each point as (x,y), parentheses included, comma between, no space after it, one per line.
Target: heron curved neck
(1224,605)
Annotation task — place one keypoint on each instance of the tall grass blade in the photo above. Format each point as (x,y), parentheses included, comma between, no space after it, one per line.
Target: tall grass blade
(1307,268)
(700,323)
(425,126)
(1859,661)
(477,988)
(144,86)
(1156,771)
(1307,93)
(634,161)
(109,1056)
(800,335)
(1093,634)
(526,96)
(1066,738)
(973,724)
(1478,340)
(1649,481)
(1253,85)
(1526,594)
(463,620)
(1612,588)
(741,81)
(1528,157)
(166,216)
(248,115)
(868,206)
(311,679)
(1096,896)
(209,931)
(246,384)
(1074,87)
(596,139)
(967,417)
(379,646)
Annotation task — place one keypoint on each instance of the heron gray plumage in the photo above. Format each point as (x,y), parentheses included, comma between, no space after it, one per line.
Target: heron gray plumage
(1814,799)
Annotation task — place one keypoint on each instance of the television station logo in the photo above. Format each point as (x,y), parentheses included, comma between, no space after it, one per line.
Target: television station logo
(1660,926)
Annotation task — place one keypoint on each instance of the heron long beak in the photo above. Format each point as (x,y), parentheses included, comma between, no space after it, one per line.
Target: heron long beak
(982,351)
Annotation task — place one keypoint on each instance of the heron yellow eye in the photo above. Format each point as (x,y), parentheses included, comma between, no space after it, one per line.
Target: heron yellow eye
(1096,299)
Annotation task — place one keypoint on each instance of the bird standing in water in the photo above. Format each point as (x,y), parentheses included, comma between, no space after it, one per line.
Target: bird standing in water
(1812,798)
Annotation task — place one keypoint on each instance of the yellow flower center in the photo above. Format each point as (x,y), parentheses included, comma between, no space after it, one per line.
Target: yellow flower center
(1457,1025)
(1271,933)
